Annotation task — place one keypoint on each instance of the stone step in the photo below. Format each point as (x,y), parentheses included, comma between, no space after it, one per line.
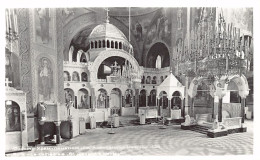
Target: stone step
(200,129)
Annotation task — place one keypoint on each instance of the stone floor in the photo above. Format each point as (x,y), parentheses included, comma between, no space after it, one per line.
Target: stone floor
(149,140)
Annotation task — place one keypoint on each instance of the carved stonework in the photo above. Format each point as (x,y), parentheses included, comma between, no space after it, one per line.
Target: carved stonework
(24,50)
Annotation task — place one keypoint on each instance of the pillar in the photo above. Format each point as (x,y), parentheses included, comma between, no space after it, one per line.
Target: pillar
(41,132)
(146,102)
(136,100)
(220,109)
(169,105)
(192,107)
(57,132)
(243,104)
(183,107)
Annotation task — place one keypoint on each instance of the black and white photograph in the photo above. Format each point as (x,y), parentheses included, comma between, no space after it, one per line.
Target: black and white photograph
(176,80)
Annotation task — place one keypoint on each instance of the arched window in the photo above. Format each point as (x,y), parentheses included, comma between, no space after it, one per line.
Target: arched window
(112,44)
(120,45)
(116,45)
(108,44)
(104,43)
(148,80)
(158,63)
(95,44)
(99,44)
(92,45)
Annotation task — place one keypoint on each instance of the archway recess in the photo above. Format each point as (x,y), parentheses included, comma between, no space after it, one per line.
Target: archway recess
(158,49)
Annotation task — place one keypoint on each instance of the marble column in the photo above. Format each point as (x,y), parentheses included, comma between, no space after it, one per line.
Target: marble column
(243,104)
(220,109)
(57,132)
(136,100)
(169,105)
(192,108)
(183,107)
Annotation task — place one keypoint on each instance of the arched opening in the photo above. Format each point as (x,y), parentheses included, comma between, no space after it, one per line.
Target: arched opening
(112,44)
(163,100)
(120,45)
(99,44)
(152,98)
(96,44)
(104,44)
(142,98)
(102,99)
(83,57)
(66,76)
(143,80)
(129,98)
(84,77)
(176,100)
(116,45)
(92,45)
(148,80)
(115,98)
(83,99)
(234,92)
(154,81)
(12,115)
(162,79)
(70,98)
(156,52)
(108,44)
(75,76)
(113,66)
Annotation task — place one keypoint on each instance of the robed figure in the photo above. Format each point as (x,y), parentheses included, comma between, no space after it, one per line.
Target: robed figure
(45,80)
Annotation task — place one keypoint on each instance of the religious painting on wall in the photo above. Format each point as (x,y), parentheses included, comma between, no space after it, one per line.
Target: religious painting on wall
(83,99)
(45,80)
(12,114)
(128,98)
(101,99)
(43,26)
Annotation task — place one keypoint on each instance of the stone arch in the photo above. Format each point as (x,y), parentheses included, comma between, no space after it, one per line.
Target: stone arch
(106,54)
(152,98)
(241,83)
(192,91)
(163,99)
(176,99)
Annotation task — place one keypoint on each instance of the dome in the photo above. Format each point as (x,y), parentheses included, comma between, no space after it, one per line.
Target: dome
(107,30)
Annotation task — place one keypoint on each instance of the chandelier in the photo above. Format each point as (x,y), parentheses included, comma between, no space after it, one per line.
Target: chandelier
(11,30)
(214,51)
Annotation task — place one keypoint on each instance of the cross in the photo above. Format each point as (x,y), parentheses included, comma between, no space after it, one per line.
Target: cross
(7,82)
(107,20)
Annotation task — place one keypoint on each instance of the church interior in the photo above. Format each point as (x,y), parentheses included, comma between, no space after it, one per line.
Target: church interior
(73,72)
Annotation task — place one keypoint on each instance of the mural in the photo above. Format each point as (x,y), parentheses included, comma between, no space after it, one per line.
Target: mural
(43,26)
(84,99)
(101,100)
(128,98)
(45,80)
